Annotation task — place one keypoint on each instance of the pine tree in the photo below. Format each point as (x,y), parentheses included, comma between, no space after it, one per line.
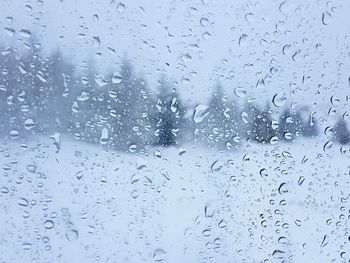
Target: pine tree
(221,127)
(341,132)
(169,116)
(55,77)
(131,105)
(290,125)
(259,124)
(310,127)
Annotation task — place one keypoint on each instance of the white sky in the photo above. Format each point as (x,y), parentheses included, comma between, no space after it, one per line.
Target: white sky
(196,43)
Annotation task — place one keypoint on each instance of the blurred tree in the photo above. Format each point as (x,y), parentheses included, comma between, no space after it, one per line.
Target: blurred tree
(310,127)
(131,108)
(169,116)
(259,124)
(341,132)
(290,125)
(221,127)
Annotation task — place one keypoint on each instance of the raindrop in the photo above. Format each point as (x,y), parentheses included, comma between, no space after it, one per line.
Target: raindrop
(72,235)
(324,241)
(79,175)
(279,100)
(204,21)
(164,172)
(283,188)
(240,92)
(279,254)
(29,124)
(134,194)
(100,81)
(26,246)
(222,223)
(263,172)
(209,209)
(200,112)
(159,254)
(242,39)
(245,117)
(326,18)
(96,41)
(31,168)
(48,224)
(274,140)
(4,190)
(25,33)
(23,202)
(14,134)
(104,136)
(120,8)
(10,31)
(327,145)
(95,18)
(216,166)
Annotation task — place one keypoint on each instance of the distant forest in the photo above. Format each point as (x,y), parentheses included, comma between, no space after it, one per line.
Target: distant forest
(43,95)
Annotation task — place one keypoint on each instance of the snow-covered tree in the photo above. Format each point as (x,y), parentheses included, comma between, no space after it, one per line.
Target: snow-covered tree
(169,117)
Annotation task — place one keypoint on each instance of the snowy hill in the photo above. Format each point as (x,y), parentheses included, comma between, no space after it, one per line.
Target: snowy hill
(260,204)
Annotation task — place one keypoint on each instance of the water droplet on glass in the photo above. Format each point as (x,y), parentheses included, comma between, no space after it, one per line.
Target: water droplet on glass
(25,33)
(31,168)
(283,188)
(10,31)
(29,124)
(104,136)
(159,254)
(79,175)
(204,21)
(243,39)
(279,100)
(240,92)
(48,224)
(326,18)
(26,246)
(72,235)
(121,8)
(216,166)
(200,112)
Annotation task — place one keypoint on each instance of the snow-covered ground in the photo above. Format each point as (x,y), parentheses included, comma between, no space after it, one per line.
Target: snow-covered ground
(259,204)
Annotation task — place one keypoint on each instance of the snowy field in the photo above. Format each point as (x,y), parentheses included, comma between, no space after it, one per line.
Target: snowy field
(274,203)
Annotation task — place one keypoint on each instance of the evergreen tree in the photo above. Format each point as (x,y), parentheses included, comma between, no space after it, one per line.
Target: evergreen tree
(259,124)
(131,107)
(54,82)
(310,127)
(169,116)
(221,127)
(341,132)
(290,125)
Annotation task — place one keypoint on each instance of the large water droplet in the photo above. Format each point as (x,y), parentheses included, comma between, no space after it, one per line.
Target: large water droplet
(326,18)
(200,112)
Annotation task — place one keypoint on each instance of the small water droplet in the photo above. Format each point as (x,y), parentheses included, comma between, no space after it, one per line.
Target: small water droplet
(72,235)
(31,168)
(204,21)
(121,8)
(48,224)
(26,246)
(159,254)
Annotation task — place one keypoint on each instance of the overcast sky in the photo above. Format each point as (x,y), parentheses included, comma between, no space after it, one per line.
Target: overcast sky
(298,49)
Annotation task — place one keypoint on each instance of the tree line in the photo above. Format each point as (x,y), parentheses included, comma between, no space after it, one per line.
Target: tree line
(43,94)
